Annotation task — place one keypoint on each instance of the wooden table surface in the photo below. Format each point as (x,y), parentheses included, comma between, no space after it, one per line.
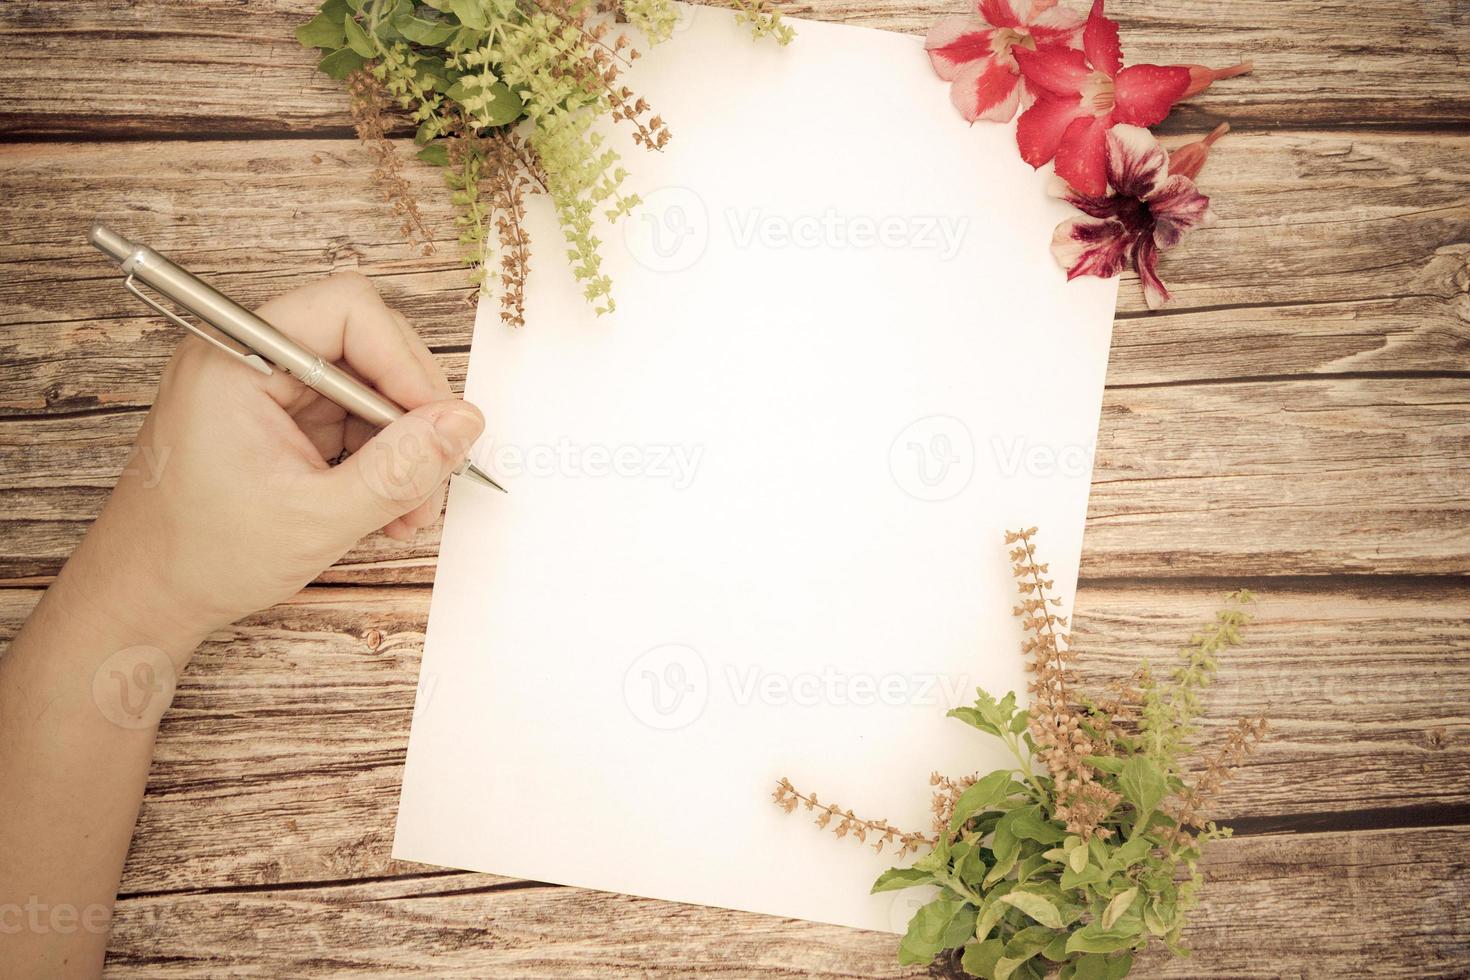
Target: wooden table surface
(1296,423)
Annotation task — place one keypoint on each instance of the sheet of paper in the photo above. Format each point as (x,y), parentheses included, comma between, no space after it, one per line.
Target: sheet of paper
(755,518)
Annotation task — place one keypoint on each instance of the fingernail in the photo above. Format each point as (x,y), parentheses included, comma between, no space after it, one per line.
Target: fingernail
(459,428)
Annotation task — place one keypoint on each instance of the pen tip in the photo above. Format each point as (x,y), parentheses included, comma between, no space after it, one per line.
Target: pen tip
(480,476)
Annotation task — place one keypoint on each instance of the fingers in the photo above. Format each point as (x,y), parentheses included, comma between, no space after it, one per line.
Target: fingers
(395,480)
(343,319)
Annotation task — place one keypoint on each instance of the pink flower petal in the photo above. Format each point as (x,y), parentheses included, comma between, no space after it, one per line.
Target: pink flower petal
(1089,247)
(1082,155)
(1039,7)
(1136,164)
(957,41)
(1056,25)
(1100,41)
(1053,69)
(1177,207)
(1040,130)
(1146,263)
(1144,94)
(1004,13)
(986,90)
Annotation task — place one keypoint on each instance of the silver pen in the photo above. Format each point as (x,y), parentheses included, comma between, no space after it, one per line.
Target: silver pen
(266,345)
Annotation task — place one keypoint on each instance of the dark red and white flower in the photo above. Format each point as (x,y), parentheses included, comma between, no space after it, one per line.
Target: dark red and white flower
(975,52)
(1143,211)
(1081,95)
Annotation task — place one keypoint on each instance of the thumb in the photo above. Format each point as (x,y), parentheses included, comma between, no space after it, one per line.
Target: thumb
(401,466)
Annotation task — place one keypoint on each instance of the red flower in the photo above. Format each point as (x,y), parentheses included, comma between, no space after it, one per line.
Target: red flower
(1083,94)
(974,52)
(1148,212)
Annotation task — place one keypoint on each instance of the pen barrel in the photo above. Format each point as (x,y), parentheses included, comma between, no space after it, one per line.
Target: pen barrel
(258,336)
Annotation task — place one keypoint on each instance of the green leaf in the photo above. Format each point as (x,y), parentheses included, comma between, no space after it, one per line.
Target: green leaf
(1027,822)
(1091,967)
(357,38)
(1104,763)
(1119,966)
(1029,941)
(1077,860)
(1143,784)
(943,924)
(979,959)
(1035,906)
(1118,906)
(1129,854)
(1007,965)
(1031,866)
(1007,849)
(1056,950)
(324,30)
(435,153)
(1089,875)
(1092,938)
(471,13)
(896,878)
(990,914)
(341,63)
(429,32)
(981,795)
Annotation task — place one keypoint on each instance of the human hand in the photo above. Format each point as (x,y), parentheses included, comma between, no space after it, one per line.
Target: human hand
(229,505)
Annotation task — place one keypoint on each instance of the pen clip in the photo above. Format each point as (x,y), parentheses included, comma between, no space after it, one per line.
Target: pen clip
(254,361)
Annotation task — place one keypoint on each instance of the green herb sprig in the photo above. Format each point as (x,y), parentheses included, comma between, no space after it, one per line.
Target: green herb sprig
(505,93)
(1088,847)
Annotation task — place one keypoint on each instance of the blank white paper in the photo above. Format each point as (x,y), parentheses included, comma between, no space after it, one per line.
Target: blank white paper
(755,518)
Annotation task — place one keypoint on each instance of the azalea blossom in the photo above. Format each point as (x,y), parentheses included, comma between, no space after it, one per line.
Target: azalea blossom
(1147,212)
(974,52)
(1081,95)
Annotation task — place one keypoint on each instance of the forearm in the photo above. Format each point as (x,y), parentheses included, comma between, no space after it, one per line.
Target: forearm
(82,688)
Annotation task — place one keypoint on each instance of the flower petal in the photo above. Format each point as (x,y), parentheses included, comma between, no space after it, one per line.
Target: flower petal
(1144,94)
(1040,130)
(1089,247)
(957,41)
(1082,155)
(1136,164)
(1146,263)
(1100,41)
(987,90)
(1056,25)
(1053,68)
(1111,206)
(1177,207)
(1004,13)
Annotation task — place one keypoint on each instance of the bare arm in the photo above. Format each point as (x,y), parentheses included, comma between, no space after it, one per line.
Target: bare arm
(228,505)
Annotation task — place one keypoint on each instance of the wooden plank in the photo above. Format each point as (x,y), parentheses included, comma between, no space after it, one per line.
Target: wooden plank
(232,68)
(1392,903)
(1331,256)
(290,728)
(1316,477)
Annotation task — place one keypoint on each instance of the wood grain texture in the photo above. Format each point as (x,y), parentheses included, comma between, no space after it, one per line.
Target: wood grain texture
(1393,903)
(1300,411)
(236,68)
(290,728)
